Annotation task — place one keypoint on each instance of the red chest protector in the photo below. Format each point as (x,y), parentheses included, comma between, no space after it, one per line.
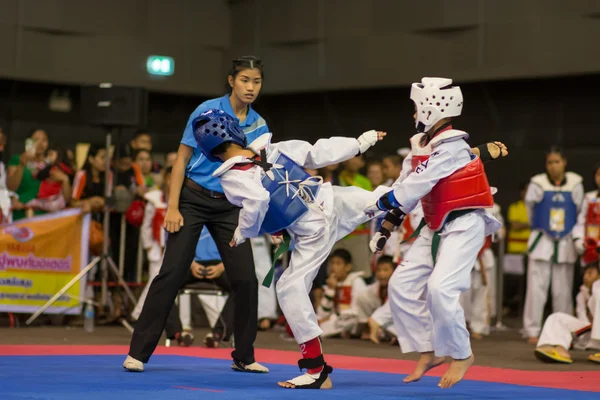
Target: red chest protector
(592,219)
(467,188)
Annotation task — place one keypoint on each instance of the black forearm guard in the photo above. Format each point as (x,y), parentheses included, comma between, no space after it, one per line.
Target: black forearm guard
(484,153)
(395,217)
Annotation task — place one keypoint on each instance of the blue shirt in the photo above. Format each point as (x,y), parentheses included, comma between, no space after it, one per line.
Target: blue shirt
(206,249)
(200,169)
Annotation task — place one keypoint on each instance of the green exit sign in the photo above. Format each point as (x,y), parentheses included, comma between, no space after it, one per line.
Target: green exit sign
(160,65)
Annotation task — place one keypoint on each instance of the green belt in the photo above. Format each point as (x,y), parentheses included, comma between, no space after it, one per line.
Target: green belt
(435,240)
(279,251)
(535,243)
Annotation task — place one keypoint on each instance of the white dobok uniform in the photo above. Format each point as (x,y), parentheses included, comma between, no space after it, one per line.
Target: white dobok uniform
(334,213)
(550,261)
(425,300)
(560,329)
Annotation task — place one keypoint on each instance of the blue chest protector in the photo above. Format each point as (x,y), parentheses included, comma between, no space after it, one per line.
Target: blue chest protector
(290,189)
(556,214)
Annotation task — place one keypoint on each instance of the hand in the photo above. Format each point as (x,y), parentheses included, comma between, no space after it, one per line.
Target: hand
(85,207)
(26,157)
(57,175)
(96,202)
(215,271)
(141,190)
(17,205)
(237,238)
(332,282)
(378,242)
(173,220)
(497,149)
(277,239)
(197,270)
(368,139)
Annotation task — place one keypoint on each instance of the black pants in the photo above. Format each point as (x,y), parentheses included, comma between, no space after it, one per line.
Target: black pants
(222,329)
(221,218)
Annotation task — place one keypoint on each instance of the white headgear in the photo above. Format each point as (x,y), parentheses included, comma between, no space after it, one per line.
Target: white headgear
(435,99)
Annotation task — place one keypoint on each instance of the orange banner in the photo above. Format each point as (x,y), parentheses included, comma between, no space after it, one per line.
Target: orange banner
(40,255)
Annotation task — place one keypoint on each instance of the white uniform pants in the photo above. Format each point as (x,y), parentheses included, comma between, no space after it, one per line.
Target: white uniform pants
(558,330)
(267,299)
(212,305)
(335,325)
(367,302)
(153,269)
(539,276)
(383,316)
(476,303)
(424,299)
(314,236)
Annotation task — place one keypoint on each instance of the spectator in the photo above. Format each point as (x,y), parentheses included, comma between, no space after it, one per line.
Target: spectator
(553,200)
(338,312)
(142,140)
(375,173)
(153,235)
(518,223)
(143,160)
(562,330)
(392,166)
(171,157)
(22,170)
(55,187)
(206,267)
(88,186)
(374,297)
(5,196)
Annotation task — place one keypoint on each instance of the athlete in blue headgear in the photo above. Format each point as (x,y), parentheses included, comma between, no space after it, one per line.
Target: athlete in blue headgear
(268,182)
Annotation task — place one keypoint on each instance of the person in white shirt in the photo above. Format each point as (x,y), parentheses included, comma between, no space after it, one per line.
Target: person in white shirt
(561,330)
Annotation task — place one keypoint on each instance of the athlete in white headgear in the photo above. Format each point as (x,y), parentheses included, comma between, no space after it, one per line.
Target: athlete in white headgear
(449,179)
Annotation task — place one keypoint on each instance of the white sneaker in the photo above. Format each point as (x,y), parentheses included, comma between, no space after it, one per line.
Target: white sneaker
(133,365)
(254,367)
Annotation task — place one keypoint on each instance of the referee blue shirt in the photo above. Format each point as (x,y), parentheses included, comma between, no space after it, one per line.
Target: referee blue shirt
(206,249)
(200,169)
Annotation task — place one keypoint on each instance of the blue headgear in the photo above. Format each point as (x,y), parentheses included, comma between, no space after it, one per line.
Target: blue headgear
(215,127)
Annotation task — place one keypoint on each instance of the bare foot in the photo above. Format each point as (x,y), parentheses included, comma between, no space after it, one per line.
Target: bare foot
(476,336)
(457,370)
(425,363)
(533,340)
(374,338)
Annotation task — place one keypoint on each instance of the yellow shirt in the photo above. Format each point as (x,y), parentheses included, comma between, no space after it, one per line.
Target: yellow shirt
(517,239)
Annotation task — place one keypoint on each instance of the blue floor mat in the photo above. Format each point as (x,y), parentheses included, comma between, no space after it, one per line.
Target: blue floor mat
(181,378)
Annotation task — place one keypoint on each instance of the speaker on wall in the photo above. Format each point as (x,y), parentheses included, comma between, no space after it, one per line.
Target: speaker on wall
(109,105)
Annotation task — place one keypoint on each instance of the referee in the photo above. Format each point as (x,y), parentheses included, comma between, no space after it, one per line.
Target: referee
(196,199)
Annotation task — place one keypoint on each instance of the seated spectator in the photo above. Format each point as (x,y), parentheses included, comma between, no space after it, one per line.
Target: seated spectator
(561,330)
(206,267)
(22,169)
(374,297)
(153,234)
(55,187)
(338,312)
